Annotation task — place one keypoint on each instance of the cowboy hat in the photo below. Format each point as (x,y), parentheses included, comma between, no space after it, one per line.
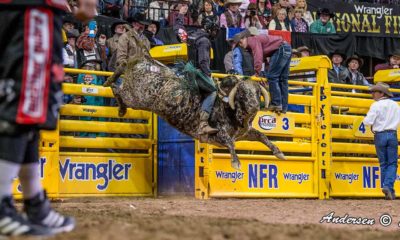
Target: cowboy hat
(381,87)
(357,58)
(117,23)
(74,33)
(227,2)
(68,18)
(139,18)
(157,23)
(253,31)
(303,48)
(239,36)
(325,11)
(337,52)
(396,53)
(296,52)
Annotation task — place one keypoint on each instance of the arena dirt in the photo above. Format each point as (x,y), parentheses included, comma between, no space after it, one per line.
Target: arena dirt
(188,218)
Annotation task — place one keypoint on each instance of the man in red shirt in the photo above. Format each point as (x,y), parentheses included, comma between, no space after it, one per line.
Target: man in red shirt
(394,62)
(279,51)
(31,72)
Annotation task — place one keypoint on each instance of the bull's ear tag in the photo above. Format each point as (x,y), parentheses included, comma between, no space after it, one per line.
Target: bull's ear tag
(154,69)
(225,99)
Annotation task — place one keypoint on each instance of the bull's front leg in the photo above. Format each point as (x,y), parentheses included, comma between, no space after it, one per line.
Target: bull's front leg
(255,135)
(122,108)
(235,163)
(117,73)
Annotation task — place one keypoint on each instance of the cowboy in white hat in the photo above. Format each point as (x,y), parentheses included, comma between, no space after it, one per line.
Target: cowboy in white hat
(384,117)
(232,18)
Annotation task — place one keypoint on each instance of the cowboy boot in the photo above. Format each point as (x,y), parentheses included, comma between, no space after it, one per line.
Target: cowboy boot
(204,128)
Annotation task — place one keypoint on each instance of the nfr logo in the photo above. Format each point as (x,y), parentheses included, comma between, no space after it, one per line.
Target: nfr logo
(370,175)
(259,172)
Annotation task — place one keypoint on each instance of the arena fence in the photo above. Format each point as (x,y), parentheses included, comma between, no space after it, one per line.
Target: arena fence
(355,168)
(96,153)
(330,153)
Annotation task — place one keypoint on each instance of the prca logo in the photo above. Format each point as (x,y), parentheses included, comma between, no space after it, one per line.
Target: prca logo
(267,122)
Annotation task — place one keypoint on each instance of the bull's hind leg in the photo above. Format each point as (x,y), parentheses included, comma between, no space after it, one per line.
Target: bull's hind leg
(255,135)
(122,108)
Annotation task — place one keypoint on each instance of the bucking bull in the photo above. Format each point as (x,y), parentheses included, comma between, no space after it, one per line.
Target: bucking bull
(150,85)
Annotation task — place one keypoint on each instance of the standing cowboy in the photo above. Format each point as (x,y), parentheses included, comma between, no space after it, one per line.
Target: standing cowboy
(384,117)
(280,52)
(131,44)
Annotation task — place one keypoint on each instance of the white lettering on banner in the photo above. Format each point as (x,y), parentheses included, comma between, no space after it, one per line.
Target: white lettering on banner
(90,90)
(347,177)
(380,11)
(230,175)
(299,177)
(267,122)
(38,53)
(84,171)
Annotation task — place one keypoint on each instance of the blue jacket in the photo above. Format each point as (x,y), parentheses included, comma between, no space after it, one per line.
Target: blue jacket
(237,61)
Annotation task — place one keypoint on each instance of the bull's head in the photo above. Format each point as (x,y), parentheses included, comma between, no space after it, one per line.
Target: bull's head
(244,98)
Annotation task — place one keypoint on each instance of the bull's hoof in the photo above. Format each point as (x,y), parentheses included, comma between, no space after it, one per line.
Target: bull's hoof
(108,82)
(236,164)
(122,111)
(280,156)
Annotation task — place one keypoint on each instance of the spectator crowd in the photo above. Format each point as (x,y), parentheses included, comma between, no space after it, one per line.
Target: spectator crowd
(137,22)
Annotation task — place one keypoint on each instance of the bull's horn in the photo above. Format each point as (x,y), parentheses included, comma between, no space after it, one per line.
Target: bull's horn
(266,96)
(231,97)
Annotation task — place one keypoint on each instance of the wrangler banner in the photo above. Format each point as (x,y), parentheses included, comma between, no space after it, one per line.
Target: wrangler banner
(362,18)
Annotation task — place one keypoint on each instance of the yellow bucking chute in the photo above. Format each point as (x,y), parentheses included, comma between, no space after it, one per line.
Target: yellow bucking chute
(388,76)
(168,54)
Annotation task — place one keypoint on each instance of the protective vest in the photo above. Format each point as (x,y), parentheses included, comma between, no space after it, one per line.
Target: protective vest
(247,63)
